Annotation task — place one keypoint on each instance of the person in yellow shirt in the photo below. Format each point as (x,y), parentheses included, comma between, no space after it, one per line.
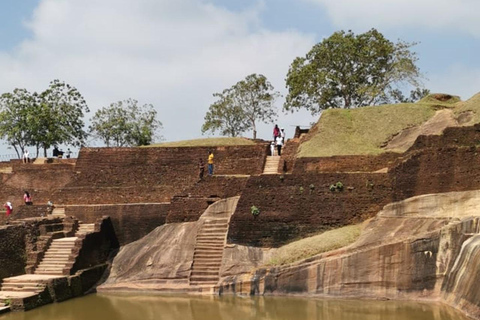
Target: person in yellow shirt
(210,163)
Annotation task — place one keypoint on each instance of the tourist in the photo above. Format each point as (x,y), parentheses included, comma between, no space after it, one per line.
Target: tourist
(27,198)
(282,135)
(201,168)
(276,132)
(272,148)
(68,153)
(50,208)
(210,163)
(8,207)
(279,145)
(26,156)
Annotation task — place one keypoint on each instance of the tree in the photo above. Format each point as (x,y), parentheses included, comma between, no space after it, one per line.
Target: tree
(222,115)
(125,123)
(16,119)
(59,116)
(240,107)
(348,70)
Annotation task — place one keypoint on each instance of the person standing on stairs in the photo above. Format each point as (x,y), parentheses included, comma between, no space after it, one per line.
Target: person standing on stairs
(272,148)
(279,142)
(210,163)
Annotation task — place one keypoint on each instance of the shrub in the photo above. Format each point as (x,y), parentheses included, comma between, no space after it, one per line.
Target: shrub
(255,211)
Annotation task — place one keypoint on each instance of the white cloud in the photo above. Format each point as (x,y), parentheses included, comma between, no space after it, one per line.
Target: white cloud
(171,53)
(447,15)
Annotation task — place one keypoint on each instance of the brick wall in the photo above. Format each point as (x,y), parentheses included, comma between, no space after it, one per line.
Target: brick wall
(301,205)
(346,163)
(190,204)
(130,221)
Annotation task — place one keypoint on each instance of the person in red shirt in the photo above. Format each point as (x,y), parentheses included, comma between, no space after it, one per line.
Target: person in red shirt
(8,206)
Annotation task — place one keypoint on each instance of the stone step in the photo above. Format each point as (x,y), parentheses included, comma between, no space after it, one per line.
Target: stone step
(49,272)
(29,288)
(208,248)
(207,260)
(215,231)
(210,235)
(207,256)
(204,278)
(215,225)
(56,259)
(195,273)
(216,221)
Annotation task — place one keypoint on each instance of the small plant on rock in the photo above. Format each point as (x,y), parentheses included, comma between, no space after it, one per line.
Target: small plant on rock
(282,177)
(255,211)
(301,190)
(332,187)
(312,187)
(339,186)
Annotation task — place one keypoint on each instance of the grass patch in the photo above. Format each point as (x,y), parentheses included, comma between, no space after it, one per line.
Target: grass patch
(309,247)
(207,142)
(362,130)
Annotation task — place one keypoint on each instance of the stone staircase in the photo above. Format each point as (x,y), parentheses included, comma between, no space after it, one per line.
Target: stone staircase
(58,212)
(58,258)
(207,258)
(271,165)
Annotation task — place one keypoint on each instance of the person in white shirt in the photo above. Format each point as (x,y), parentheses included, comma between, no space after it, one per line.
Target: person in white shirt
(282,134)
(26,156)
(279,142)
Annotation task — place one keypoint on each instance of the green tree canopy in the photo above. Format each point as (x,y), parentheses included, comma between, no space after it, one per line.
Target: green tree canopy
(52,117)
(16,119)
(238,108)
(348,70)
(125,123)
(59,116)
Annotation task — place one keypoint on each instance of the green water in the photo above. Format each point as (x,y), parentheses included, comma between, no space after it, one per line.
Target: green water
(106,307)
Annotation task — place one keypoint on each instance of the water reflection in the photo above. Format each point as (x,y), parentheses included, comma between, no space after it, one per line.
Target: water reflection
(123,307)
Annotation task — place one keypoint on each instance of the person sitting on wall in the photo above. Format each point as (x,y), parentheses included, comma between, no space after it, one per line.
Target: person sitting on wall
(27,198)
(50,207)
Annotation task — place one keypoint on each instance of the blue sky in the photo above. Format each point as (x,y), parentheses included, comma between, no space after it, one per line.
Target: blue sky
(175,54)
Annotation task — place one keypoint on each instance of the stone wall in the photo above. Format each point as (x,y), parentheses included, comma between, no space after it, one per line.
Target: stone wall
(130,221)
(359,163)
(13,256)
(436,170)
(300,205)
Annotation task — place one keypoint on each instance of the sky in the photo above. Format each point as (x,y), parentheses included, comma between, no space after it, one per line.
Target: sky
(174,54)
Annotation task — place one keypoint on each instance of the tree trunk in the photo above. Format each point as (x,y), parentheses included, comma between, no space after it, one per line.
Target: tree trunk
(45,151)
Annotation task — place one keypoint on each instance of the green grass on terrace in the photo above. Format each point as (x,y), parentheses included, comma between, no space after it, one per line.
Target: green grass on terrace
(207,142)
(362,130)
(309,247)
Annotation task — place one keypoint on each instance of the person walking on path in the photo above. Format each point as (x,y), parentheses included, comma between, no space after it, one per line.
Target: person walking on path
(276,132)
(210,163)
(8,207)
(272,148)
(279,142)
(282,135)
(201,168)
(27,198)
